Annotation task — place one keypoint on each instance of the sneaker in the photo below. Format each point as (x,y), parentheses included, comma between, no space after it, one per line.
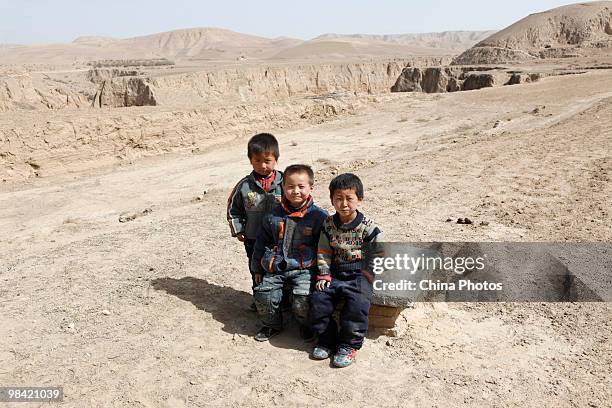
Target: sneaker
(266,333)
(320,353)
(345,356)
(253,307)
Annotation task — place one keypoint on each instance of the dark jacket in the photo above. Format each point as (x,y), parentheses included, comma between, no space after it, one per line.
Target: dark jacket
(249,203)
(288,239)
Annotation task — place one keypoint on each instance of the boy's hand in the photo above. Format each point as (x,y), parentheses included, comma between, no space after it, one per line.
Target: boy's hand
(322,284)
(240,237)
(258,278)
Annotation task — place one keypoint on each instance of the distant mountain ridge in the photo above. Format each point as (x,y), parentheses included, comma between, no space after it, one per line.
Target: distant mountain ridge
(444,39)
(219,44)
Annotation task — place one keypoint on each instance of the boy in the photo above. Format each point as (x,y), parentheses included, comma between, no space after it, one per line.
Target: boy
(286,252)
(343,274)
(256,194)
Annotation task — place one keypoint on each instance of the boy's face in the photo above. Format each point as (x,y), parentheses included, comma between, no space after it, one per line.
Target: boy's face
(263,163)
(345,202)
(297,188)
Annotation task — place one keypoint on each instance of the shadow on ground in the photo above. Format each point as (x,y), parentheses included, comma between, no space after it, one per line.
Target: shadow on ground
(229,307)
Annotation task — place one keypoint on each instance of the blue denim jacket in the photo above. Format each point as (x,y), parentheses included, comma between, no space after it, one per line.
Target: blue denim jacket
(287,239)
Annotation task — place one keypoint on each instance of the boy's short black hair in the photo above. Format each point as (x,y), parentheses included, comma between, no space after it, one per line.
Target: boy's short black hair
(299,168)
(263,143)
(346,181)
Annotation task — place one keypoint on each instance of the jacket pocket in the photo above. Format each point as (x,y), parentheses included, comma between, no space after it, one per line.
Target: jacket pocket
(307,256)
(273,260)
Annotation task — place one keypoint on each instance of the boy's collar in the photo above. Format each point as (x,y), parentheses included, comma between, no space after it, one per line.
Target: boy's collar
(261,176)
(358,219)
(278,177)
(296,212)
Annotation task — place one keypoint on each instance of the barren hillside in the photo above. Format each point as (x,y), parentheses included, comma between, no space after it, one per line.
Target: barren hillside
(449,40)
(194,43)
(335,46)
(217,44)
(207,42)
(573,30)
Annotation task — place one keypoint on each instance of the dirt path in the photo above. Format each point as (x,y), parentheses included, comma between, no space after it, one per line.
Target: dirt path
(176,287)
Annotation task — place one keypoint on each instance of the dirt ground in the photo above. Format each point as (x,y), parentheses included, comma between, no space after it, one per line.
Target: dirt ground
(153,312)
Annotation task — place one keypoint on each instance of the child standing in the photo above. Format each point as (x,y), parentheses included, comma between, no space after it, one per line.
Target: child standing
(341,257)
(256,194)
(285,252)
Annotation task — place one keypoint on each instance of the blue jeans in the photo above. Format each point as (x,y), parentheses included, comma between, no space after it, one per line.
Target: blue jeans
(269,295)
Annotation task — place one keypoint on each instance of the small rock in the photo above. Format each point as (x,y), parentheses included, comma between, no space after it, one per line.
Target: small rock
(70,326)
(484,223)
(427,375)
(33,164)
(388,343)
(496,124)
(464,221)
(106,312)
(127,217)
(448,220)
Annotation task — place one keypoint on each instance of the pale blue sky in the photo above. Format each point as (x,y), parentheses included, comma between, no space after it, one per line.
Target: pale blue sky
(49,21)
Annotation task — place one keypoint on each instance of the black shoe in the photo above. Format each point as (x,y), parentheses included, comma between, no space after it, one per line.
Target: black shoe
(307,334)
(253,307)
(266,333)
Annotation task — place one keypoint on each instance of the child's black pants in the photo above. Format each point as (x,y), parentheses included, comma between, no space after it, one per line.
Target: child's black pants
(356,291)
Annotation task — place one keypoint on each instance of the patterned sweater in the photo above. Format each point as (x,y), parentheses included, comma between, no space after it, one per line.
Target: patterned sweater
(341,246)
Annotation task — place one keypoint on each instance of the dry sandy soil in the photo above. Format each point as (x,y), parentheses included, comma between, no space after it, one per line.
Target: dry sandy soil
(176,286)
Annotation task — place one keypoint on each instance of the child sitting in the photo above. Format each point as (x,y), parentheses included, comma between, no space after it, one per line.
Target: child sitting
(341,257)
(285,252)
